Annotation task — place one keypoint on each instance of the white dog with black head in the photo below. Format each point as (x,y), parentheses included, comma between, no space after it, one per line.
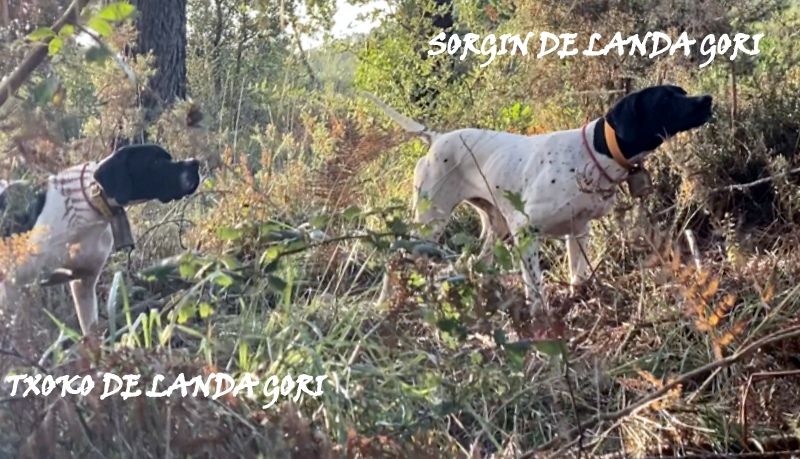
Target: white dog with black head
(72,217)
(564,179)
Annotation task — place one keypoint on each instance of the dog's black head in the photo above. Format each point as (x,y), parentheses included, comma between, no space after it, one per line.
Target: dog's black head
(136,173)
(643,119)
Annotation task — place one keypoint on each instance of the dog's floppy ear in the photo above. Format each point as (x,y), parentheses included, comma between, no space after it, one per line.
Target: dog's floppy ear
(115,173)
(112,175)
(626,117)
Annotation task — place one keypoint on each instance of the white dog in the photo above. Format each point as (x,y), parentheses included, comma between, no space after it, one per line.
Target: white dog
(564,179)
(74,214)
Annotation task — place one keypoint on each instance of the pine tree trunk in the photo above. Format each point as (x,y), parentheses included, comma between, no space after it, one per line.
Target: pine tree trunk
(162,31)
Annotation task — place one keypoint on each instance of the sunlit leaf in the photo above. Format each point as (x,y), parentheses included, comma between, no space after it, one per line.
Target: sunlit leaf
(41,33)
(222,279)
(117,11)
(185,313)
(101,26)
(66,31)
(205,310)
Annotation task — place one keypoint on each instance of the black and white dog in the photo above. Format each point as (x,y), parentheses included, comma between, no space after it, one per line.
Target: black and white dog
(74,213)
(564,179)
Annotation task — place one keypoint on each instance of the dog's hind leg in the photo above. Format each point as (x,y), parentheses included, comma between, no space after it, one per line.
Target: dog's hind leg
(577,257)
(493,227)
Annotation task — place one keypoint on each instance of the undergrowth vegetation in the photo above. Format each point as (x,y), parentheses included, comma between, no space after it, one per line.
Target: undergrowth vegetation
(685,339)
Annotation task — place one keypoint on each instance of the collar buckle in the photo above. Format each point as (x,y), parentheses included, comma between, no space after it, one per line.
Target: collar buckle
(639,182)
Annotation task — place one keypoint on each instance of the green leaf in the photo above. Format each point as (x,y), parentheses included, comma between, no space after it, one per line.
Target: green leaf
(551,347)
(117,11)
(500,337)
(185,313)
(66,31)
(270,255)
(97,54)
(205,310)
(516,353)
(398,226)
(452,326)
(55,46)
(222,279)
(41,34)
(101,26)
(188,270)
(319,222)
(276,282)
(227,233)
(351,213)
(502,256)
(515,199)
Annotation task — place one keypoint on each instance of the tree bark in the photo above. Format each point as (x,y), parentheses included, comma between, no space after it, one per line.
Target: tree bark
(5,20)
(162,31)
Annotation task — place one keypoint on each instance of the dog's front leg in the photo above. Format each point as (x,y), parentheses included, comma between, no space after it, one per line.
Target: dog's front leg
(85,298)
(528,244)
(577,257)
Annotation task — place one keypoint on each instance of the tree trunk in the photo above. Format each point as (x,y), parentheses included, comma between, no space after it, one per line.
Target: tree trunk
(162,31)
(5,20)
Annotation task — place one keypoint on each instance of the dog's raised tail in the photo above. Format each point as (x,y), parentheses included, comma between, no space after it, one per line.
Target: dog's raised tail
(405,122)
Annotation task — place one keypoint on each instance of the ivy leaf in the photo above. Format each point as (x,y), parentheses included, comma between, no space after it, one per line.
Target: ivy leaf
(516,200)
(41,34)
(101,26)
(118,11)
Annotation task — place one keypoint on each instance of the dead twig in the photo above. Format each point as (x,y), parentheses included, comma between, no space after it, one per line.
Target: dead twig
(755,377)
(789,332)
